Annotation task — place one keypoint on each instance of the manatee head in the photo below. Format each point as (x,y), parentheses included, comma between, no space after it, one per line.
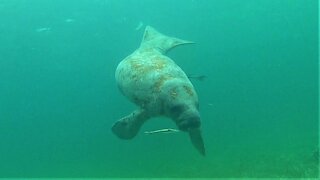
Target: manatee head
(186,117)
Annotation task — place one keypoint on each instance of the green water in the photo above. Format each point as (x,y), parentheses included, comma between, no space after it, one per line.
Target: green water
(59,99)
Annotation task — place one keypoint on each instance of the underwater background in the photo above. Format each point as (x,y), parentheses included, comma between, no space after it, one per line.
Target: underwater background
(258,102)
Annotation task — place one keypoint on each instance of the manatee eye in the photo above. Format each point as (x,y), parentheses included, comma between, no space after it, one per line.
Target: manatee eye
(177,109)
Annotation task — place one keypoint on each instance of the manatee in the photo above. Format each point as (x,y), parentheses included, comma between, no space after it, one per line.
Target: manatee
(159,87)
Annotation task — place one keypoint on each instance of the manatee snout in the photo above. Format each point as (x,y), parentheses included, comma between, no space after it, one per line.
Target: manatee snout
(189,120)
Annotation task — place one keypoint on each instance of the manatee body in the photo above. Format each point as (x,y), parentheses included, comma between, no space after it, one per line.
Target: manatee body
(159,87)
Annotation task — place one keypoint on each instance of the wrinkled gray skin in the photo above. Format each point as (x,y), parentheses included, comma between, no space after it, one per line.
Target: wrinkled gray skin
(159,87)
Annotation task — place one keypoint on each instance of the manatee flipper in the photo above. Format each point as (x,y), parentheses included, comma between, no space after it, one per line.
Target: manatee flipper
(197,141)
(128,127)
(154,39)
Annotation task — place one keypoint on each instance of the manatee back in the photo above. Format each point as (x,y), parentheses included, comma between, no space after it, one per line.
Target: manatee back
(143,76)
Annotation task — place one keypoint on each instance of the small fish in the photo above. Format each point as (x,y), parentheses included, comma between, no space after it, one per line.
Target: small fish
(139,26)
(44,29)
(197,77)
(69,20)
(169,130)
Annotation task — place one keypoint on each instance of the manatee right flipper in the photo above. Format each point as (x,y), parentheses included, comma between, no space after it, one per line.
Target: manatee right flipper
(128,127)
(197,141)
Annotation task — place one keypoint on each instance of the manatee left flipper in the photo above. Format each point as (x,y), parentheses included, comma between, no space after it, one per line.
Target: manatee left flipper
(128,126)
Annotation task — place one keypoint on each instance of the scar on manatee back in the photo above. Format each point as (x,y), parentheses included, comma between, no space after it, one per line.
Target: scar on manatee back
(140,67)
(160,81)
(188,89)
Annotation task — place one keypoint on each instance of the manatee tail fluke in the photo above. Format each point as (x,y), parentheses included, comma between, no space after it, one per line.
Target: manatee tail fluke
(154,39)
(128,127)
(197,141)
